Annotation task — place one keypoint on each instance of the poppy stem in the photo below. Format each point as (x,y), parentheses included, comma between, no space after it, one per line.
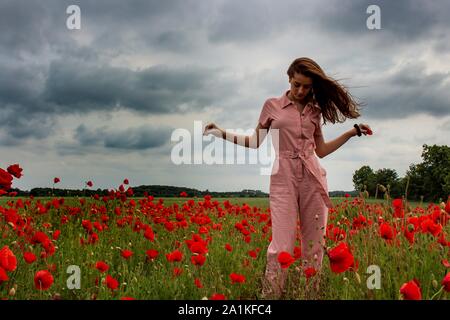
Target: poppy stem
(437,293)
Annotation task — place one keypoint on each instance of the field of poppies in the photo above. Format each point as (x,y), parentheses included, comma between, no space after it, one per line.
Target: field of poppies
(122,247)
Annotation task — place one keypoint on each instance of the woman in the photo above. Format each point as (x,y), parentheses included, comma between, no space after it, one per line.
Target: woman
(298,186)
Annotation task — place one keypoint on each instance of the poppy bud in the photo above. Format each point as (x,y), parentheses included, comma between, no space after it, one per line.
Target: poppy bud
(358,278)
(434,283)
(12,292)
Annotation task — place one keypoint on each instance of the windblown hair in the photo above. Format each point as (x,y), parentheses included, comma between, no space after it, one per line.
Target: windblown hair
(334,99)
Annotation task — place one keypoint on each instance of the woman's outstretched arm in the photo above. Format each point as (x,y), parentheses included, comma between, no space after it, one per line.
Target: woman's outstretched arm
(325,148)
(249,141)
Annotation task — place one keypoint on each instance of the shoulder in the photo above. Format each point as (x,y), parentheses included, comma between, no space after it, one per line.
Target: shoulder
(273,103)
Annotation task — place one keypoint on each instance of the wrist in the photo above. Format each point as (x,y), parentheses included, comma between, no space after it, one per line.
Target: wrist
(357,129)
(352,132)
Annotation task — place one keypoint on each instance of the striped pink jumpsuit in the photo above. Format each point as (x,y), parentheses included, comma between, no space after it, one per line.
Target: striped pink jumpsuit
(298,186)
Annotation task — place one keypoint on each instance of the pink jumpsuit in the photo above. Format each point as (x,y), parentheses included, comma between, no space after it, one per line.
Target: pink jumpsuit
(298,186)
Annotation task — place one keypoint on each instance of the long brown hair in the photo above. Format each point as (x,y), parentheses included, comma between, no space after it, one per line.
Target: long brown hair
(334,99)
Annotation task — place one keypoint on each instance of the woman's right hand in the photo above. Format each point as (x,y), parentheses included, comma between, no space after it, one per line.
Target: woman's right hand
(212,128)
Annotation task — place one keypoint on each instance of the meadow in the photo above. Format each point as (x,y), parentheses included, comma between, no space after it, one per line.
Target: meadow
(120,247)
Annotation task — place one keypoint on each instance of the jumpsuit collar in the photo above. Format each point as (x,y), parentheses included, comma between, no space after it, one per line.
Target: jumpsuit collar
(285,101)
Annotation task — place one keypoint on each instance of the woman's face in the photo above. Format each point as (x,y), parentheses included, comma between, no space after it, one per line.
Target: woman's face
(300,86)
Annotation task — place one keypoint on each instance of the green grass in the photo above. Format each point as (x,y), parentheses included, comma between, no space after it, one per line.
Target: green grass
(399,262)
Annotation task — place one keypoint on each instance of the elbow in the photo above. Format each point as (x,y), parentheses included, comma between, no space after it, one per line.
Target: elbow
(320,154)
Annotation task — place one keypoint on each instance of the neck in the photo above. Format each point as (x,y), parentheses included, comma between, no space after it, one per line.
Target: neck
(303,101)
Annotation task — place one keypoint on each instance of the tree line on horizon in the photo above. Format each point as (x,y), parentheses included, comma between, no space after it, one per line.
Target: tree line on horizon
(156,191)
(428,180)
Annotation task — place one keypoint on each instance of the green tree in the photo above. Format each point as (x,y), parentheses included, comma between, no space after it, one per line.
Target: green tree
(436,166)
(389,179)
(364,179)
(416,174)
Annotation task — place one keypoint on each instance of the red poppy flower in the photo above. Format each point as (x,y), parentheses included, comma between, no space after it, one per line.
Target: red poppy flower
(8,260)
(409,235)
(101,266)
(177,271)
(237,278)
(126,253)
(253,254)
(89,184)
(43,280)
(341,258)
(127,298)
(297,252)
(198,283)
(174,256)
(183,194)
(125,181)
(3,275)
(445,263)
(446,282)
(398,208)
(386,231)
(15,170)
(149,234)
(430,226)
(218,296)
(169,226)
(56,180)
(111,283)
(336,234)
(198,247)
(411,290)
(310,272)
(29,257)
(5,180)
(228,247)
(56,234)
(198,260)
(397,203)
(285,259)
(151,254)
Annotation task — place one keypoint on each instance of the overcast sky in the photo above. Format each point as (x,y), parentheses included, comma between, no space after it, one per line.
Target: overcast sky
(101,103)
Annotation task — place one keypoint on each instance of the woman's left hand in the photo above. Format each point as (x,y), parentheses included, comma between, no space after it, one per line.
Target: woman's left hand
(365,129)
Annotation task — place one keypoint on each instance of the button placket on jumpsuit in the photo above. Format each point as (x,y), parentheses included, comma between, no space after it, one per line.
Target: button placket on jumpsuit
(298,187)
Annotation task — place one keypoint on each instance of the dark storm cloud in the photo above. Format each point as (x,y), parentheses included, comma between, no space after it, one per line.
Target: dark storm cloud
(19,85)
(36,88)
(16,127)
(133,138)
(73,86)
(401,20)
(409,91)
(155,90)
(30,27)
